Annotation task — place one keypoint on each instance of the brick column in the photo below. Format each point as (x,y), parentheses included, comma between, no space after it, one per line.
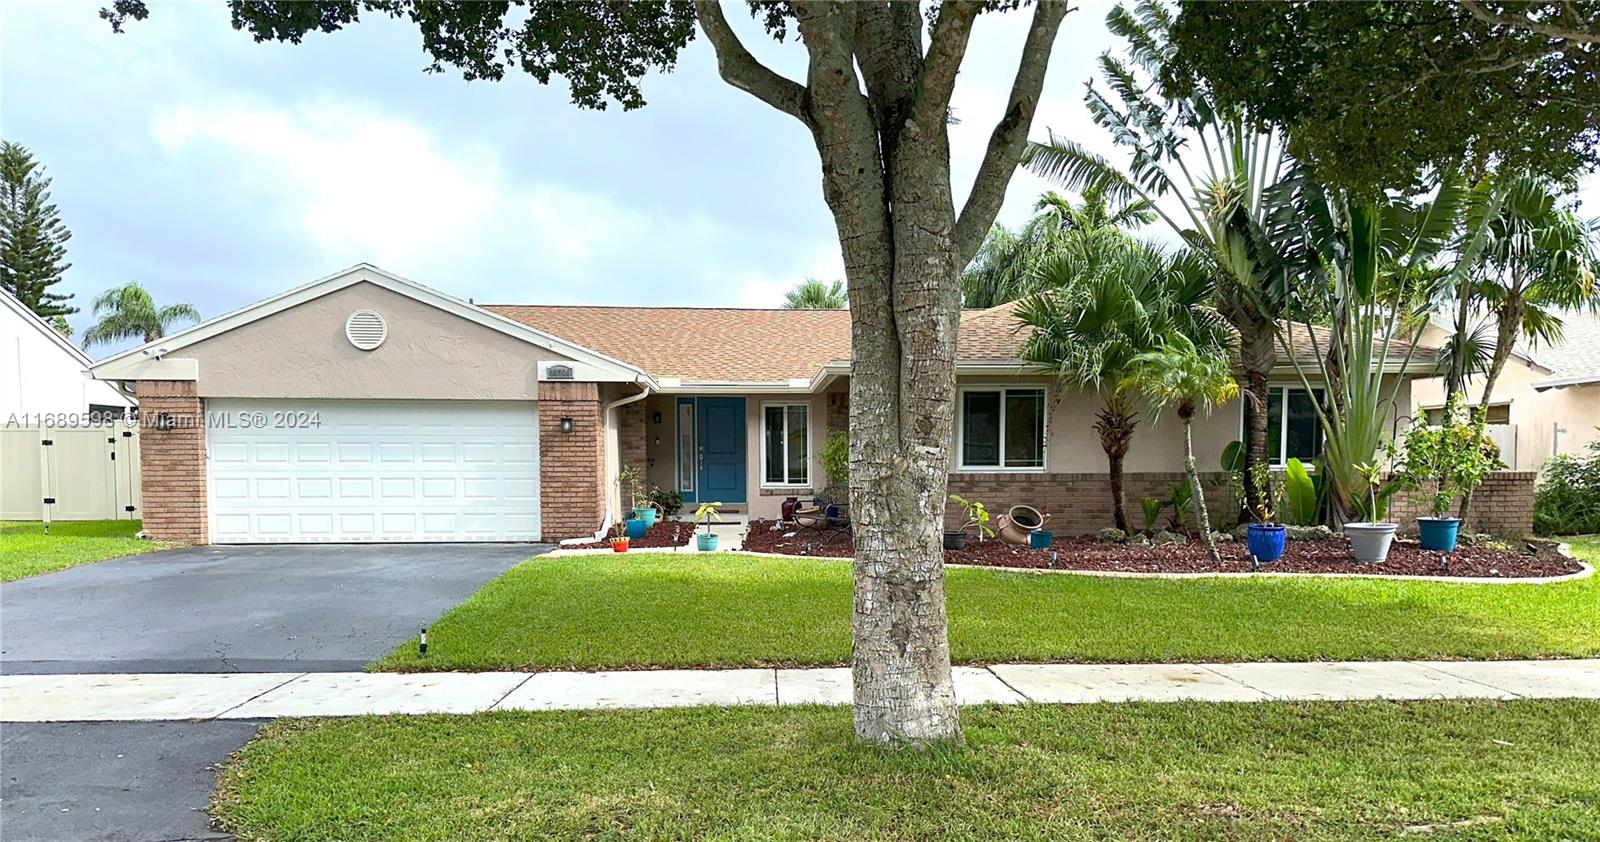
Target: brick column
(631,437)
(571,464)
(172,462)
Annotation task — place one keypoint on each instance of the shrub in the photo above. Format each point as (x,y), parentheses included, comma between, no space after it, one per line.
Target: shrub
(1567,501)
(836,458)
(1452,458)
(670,500)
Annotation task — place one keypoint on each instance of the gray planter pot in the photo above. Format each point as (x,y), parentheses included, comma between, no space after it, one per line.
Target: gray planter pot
(1369,542)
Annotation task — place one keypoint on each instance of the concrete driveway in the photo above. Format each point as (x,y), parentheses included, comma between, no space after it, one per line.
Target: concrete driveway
(280,608)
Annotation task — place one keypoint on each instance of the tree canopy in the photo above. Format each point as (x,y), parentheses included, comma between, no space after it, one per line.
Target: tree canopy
(813,294)
(33,239)
(1374,94)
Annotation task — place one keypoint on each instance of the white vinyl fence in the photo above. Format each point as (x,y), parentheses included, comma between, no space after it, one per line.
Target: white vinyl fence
(69,473)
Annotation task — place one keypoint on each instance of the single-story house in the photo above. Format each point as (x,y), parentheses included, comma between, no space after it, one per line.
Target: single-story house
(1547,399)
(365,407)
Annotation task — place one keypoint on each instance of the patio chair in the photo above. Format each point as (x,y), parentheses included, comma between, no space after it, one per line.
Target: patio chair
(830,521)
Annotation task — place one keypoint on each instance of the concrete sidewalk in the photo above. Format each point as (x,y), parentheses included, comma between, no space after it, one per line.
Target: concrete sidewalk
(151,697)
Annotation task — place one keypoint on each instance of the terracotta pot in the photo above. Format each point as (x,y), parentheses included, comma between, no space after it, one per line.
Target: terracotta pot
(1018,523)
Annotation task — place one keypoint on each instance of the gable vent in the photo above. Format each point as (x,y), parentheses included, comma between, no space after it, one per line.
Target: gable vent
(365,329)
(558,372)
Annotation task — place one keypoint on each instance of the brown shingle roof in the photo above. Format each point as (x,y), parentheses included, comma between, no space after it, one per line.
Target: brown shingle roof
(729,345)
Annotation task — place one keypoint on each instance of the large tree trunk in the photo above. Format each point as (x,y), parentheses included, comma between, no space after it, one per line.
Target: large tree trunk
(1115,424)
(1258,353)
(877,106)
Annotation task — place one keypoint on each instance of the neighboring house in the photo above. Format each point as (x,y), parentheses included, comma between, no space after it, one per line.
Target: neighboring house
(43,374)
(367,407)
(1546,401)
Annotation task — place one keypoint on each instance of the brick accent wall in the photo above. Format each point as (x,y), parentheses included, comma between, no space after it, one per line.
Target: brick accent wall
(1080,504)
(838,412)
(571,465)
(632,437)
(172,463)
(1503,505)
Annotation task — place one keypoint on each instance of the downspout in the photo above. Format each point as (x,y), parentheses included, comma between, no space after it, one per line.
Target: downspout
(613,459)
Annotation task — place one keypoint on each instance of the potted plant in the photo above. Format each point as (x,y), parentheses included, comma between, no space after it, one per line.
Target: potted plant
(977,515)
(1264,537)
(619,539)
(706,541)
(667,501)
(1370,539)
(633,485)
(1454,457)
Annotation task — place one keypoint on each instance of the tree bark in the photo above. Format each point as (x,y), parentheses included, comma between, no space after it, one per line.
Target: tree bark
(1258,353)
(877,106)
(1197,493)
(1116,424)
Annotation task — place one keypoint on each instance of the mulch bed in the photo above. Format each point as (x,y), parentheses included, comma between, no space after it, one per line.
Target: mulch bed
(664,534)
(1529,559)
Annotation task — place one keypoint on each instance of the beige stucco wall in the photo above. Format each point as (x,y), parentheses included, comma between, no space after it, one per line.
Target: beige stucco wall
(1534,414)
(302,352)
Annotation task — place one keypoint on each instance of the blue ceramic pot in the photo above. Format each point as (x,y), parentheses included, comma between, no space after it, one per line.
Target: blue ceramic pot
(706,542)
(1040,539)
(646,514)
(636,527)
(1265,541)
(1438,534)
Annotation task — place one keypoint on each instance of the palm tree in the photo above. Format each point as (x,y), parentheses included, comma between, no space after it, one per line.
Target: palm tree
(1539,258)
(816,295)
(128,312)
(1005,267)
(1102,303)
(1182,375)
(1214,167)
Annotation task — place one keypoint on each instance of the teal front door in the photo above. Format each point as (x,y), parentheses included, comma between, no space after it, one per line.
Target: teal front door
(720,437)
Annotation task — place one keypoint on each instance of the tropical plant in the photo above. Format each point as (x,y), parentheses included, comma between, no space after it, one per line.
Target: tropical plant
(630,481)
(836,458)
(1539,258)
(1192,380)
(669,500)
(816,295)
(707,513)
(1453,457)
(1006,266)
(1214,166)
(128,312)
(1151,509)
(1301,493)
(976,515)
(1567,501)
(1101,308)
(33,240)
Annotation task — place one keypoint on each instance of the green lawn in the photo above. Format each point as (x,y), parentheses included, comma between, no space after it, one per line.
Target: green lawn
(26,551)
(1358,770)
(658,610)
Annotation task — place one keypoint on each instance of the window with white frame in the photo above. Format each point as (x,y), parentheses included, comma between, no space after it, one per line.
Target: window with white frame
(1001,429)
(785,444)
(1293,430)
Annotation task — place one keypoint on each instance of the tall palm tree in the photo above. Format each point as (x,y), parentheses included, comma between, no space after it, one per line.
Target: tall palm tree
(1180,374)
(816,295)
(1540,258)
(1099,308)
(1213,167)
(1094,211)
(128,312)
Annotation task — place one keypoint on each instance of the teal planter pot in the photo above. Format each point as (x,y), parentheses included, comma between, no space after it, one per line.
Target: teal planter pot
(706,543)
(1439,534)
(646,514)
(1040,539)
(636,527)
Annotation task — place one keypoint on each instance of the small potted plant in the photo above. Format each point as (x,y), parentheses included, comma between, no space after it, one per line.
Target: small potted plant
(667,501)
(1454,458)
(977,515)
(633,485)
(1370,539)
(1265,537)
(706,541)
(619,539)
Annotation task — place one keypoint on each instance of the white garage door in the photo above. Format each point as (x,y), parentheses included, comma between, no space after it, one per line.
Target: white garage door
(285,471)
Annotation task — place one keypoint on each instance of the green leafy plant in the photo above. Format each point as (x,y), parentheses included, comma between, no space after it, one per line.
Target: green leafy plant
(1567,501)
(669,500)
(1301,493)
(1452,458)
(707,513)
(977,515)
(633,485)
(1267,506)
(1181,498)
(836,458)
(1152,511)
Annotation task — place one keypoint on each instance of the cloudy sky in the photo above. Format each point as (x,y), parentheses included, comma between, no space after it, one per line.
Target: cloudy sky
(218,171)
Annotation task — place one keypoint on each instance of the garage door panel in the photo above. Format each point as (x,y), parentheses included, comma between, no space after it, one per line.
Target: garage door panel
(376,471)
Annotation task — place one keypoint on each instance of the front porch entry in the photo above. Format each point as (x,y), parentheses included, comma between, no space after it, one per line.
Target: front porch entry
(710,449)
